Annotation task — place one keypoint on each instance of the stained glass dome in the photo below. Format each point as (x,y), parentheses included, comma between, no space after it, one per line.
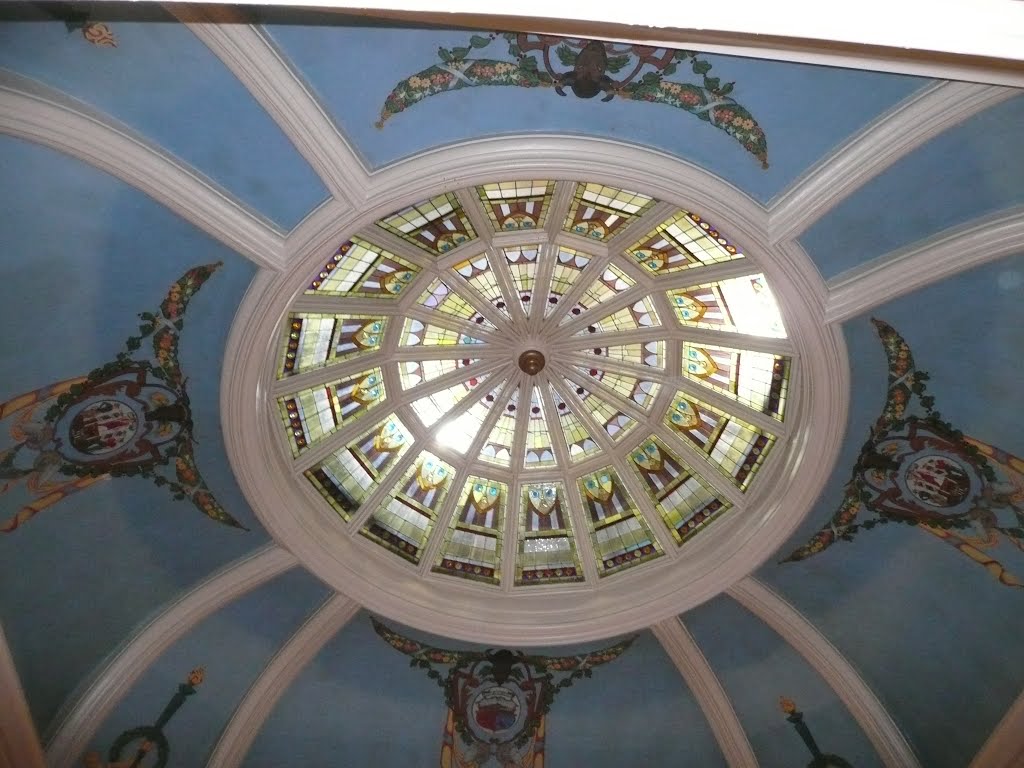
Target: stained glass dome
(528,383)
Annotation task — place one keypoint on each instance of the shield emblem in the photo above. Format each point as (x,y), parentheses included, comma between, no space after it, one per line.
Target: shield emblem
(368,389)
(690,309)
(390,438)
(650,259)
(431,474)
(599,487)
(699,363)
(542,499)
(368,335)
(397,281)
(684,415)
(648,457)
(484,496)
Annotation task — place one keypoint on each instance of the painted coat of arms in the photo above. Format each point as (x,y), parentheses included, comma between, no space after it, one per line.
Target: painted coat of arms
(129,417)
(587,68)
(498,700)
(917,469)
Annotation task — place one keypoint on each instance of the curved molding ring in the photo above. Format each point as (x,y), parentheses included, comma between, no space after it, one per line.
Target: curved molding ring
(890,137)
(128,664)
(19,744)
(708,691)
(887,739)
(254,59)
(276,677)
(900,272)
(40,114)
(729,551)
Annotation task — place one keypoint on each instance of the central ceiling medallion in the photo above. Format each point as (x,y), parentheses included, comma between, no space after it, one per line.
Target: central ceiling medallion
(531,362)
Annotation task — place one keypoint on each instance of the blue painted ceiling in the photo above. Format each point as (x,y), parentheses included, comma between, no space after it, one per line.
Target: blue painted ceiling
(84,253)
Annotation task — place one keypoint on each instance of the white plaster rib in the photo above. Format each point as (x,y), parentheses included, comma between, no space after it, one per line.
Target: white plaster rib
(887,739)
(275,679)
(707,690)
(890,137)
(19,742)
(1004,747)
(927,261)
(121,671)
(253,58)
(38,113)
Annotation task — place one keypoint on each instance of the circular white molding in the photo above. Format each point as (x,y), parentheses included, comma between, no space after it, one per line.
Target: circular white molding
(722,555)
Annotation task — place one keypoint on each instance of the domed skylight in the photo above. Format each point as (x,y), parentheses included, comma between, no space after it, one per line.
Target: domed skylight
(492,394)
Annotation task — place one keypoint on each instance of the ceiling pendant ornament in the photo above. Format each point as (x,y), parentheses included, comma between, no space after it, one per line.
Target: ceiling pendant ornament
(588,68)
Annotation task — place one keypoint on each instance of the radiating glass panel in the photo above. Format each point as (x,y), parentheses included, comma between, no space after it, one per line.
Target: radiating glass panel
(683,242)
(521,261)
(404,521)
(639,316)
(313,413)
(569,265)
(547,548)
(640,391)
(612,419)
(577,437)
(314,340)
(415,372)
(685,501)
(619,533)
(436,225)
(416,333)
(517,205)
(497,447)
(539,452)
(478,273)
(359,268)
(347,476)
(598,211)
(740,305)
(459,433)
(651,353)
(611,283)
(734,446)
(756,379)
(472,543)
(432,407)
(440,297)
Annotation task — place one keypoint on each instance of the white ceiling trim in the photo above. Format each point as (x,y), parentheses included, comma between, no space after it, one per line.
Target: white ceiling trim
(707,690)
(254,59)
(883,142)
(38,113)
(887,739)
(19,742)
(728,551)
(1004,748)
(928,261)
(917,37)
(276,677)
(77,724)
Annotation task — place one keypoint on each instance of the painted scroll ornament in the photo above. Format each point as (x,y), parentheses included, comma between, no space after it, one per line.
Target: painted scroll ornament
(917,469)
(588,68)
(129,417)
(498,700)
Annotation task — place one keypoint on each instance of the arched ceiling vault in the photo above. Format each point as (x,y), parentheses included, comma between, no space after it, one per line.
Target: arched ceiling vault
(359,195)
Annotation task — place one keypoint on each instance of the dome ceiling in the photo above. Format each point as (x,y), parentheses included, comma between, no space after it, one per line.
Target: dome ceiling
(538,378)
(592,379)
